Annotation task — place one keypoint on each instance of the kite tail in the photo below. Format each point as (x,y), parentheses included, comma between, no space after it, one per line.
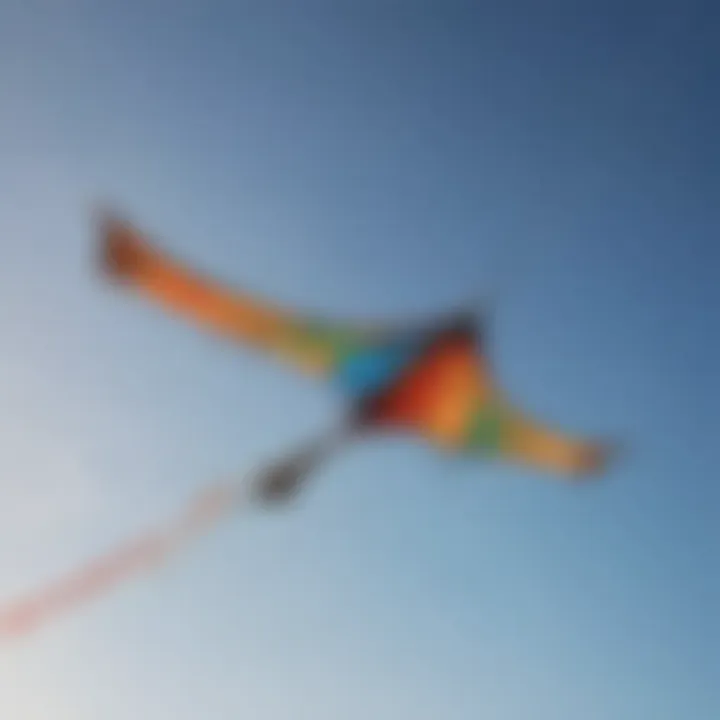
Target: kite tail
(277,482)
(142,554)
(282,480)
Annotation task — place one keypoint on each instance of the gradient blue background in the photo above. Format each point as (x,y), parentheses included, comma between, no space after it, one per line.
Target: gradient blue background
(366,159)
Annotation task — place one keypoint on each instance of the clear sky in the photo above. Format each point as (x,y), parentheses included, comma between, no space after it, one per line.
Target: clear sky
(375,158)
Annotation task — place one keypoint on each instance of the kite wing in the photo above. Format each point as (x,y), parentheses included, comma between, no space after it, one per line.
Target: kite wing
(521,439)
(451,397)
(313,346)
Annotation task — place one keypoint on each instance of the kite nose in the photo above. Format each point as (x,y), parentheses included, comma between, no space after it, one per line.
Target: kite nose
(464,322)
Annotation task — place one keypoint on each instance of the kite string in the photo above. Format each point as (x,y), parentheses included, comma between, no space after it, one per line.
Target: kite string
(143,553)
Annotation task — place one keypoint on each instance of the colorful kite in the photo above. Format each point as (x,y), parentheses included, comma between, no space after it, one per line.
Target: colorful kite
(433,382)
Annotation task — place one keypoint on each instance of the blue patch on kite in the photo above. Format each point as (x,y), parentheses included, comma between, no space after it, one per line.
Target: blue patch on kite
(369,370)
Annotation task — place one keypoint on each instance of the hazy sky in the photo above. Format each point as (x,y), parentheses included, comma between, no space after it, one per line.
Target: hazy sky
(366,159)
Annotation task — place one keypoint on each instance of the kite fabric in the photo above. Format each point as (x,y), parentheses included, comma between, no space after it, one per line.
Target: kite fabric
(433,381)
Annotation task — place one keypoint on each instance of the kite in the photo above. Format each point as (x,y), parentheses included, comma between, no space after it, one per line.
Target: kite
(431,381)
(434,381)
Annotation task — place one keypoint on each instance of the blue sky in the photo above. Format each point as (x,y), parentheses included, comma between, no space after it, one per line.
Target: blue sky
(366,159)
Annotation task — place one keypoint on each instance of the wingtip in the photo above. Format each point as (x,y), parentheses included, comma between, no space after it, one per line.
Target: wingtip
(596,460)
(119,250)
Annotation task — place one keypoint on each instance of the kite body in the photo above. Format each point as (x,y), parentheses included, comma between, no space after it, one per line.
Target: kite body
(433,381)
